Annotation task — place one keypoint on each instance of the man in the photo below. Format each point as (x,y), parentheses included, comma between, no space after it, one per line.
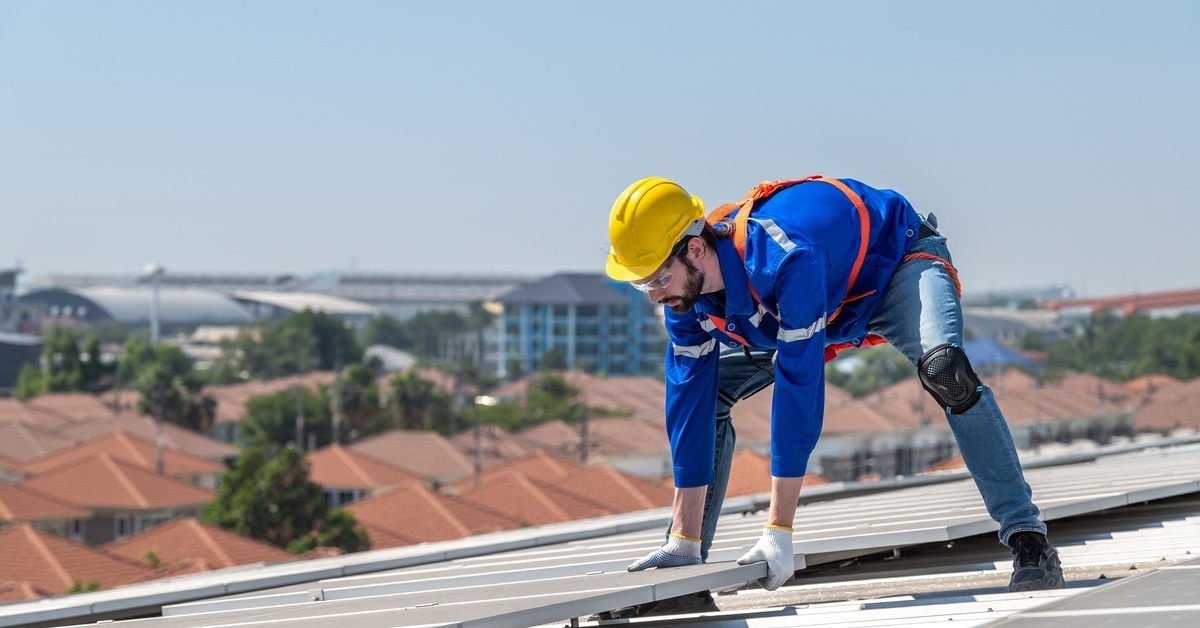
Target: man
(766,291)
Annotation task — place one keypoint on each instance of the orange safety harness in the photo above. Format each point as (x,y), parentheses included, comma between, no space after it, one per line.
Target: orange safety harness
(764,191)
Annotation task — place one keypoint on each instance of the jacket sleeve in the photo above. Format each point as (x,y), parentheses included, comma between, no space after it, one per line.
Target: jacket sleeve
(691,372)
(799,403)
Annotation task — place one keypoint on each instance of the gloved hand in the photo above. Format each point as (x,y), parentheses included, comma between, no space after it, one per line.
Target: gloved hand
(774,547)
(677,551)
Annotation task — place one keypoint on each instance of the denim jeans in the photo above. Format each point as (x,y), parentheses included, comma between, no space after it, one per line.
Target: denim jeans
(920,310)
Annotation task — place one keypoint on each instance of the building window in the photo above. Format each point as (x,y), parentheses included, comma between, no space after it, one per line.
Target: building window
(75,529)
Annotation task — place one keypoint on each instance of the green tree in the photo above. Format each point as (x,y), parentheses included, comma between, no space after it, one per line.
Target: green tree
(386,330)
(271,419)
(359,401)
(30,382)
(63,371)
(266,351)
(336,344)
(267,495)
(1119,348)
(178,398)
(872,369)
(414,403)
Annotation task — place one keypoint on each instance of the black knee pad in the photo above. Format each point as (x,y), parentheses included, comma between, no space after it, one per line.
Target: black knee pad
(947,375)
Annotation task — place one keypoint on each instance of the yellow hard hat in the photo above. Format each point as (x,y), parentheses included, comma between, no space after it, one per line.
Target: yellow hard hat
(648,219)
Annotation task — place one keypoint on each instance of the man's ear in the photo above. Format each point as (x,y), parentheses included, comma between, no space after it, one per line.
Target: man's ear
(697,248)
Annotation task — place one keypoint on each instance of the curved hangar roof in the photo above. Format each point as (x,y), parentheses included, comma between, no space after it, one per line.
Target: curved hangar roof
(131,305)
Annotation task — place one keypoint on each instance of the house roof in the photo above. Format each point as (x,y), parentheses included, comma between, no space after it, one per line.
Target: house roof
(73,407)
(20,504)
(418,513)
(123,445)
(427,454)
(186,539)
(20,442)
(538,465)
(178,438)
(102,481)
(231,399)
(1170,409)
(616,491)
(497,446)
(751,475)
(533,502)
(19,591)
(52,563)
(567,289)
(337,466)
(606,437)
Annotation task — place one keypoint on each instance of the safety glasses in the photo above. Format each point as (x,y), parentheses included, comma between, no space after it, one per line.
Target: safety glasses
(663,277)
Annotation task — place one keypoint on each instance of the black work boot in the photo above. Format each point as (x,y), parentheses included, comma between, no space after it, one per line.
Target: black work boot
(701,602)
(1035,563)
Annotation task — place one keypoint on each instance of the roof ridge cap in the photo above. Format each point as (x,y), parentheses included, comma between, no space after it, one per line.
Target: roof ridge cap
(50,557)
(206,537)
(116,467)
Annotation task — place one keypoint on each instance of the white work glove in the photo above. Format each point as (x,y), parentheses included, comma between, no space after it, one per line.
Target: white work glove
(676,552)
(774,547)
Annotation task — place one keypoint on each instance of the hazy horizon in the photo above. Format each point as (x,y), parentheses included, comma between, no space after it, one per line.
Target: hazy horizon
(1054,141)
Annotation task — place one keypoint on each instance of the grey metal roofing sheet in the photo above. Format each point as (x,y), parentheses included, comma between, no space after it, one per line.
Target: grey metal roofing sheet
(539,584)
(177,306)
(567,289)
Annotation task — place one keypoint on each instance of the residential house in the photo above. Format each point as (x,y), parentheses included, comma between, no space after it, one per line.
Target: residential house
(346,475)
(37,563)
(124,498)
(186,543)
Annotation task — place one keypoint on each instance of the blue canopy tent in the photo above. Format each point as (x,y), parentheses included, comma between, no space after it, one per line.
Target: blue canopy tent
(989,356)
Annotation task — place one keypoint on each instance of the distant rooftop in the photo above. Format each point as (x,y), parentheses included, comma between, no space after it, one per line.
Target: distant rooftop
(567,289)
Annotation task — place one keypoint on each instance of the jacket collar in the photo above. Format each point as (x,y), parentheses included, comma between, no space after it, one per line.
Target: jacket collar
(737,292)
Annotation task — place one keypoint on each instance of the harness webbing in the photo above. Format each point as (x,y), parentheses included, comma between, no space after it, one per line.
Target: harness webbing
(765,190)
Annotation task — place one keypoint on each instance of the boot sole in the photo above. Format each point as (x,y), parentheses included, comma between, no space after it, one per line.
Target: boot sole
(1051,581)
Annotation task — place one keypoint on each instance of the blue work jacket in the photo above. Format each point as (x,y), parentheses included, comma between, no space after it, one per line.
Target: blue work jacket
(801,245)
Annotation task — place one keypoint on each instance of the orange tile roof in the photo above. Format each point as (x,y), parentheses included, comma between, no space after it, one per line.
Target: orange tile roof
(16,411)
(418,513)
(73,407)
(122,445)
(21,442)
(22,591)
(538,465)
(177,438)
(48,562)
(1150,383)
(856,417)
(953,463)
(24,504)
(232,398)
(751,475)
(105,482)
(337,466)
(186,539)
(383,538)
(554,436)
(1170,409)
(427,454)
(498,446)
(616,491)
(533,502)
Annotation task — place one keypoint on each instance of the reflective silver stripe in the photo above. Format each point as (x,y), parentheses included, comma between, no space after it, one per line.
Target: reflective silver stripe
(707,324)
(757,317)
(696,351)
(792,335)
(777,234)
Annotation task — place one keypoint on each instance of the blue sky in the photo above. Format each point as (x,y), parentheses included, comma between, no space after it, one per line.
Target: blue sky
(1056,142)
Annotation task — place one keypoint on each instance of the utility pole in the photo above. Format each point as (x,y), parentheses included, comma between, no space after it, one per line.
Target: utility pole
(583,431)
(160,437)
(481,400)
(155,272)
